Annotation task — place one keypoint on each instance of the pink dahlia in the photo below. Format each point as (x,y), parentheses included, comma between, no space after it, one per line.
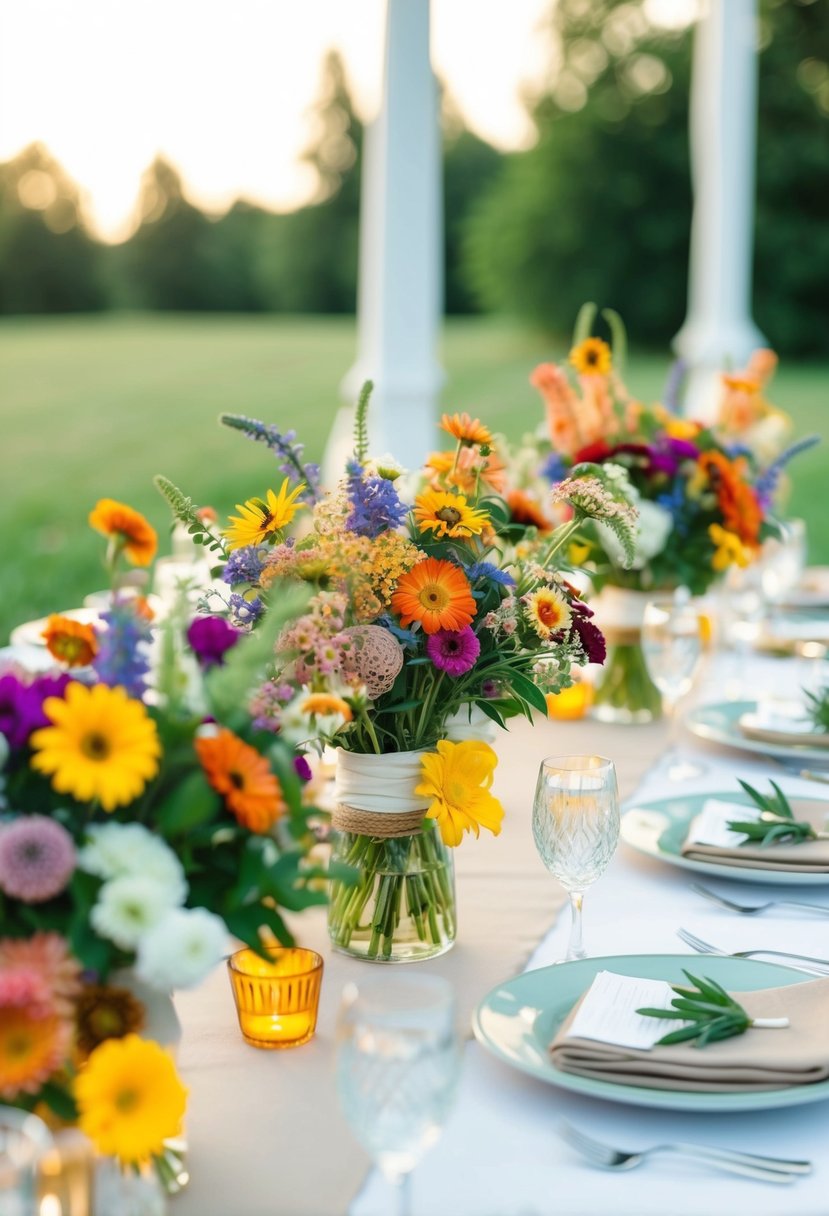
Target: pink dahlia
(454,651)
(37,858)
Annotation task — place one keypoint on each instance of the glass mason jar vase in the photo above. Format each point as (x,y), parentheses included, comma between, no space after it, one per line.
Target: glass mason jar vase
(397,905)
(625,692)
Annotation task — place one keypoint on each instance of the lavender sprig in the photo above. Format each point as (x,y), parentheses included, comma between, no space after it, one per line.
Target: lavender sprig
(283,446)
(766,484)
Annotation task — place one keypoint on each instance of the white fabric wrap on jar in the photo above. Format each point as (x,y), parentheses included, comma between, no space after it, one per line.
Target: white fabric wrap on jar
(375,795)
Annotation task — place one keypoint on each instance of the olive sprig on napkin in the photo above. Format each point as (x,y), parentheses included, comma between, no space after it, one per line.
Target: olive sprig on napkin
(777,824)
(817,707)
(711,1014)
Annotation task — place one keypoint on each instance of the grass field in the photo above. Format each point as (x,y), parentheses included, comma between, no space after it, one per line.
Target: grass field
(94,407)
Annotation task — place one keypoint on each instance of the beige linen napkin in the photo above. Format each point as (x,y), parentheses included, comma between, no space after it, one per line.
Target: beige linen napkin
(756,1060)
(812,857)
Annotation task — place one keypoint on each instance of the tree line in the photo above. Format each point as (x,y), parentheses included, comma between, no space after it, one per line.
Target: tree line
(598,207)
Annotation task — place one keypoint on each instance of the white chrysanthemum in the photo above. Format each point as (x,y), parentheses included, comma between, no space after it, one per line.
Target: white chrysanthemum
(117,849)
(181,948)
(128,907)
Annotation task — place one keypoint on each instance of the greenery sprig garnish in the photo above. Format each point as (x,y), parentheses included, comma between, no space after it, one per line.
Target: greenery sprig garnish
(817,707)
(711,1012)
(777,824)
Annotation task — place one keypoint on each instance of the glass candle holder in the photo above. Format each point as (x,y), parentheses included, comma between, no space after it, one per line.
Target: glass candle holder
(276,997)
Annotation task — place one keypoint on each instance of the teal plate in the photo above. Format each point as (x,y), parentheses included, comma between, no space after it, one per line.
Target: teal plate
(518,1020)
(720,723)
(659,827)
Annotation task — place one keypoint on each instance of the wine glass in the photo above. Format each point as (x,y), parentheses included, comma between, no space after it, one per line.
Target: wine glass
(398,1061)
(576,827)
(672,645)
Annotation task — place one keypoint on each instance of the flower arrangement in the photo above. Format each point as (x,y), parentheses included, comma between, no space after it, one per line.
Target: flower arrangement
(143,819)
(423,621)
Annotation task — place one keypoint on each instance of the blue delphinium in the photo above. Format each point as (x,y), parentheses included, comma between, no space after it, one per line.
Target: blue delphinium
(553,468)
(375,507)
(675,502)
(283,446)
(123,651)
(768,479)
(245,612)
(245,565)
(672,392)
(487,570)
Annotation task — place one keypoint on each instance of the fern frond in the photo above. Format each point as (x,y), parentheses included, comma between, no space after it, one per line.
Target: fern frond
(361,422)
(185,511)
(625,532)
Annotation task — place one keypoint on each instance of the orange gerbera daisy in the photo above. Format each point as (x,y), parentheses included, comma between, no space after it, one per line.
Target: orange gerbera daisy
(127,528)
(322,703)
(70,641)
(465,472)
(591,357)
(243,777)
(466,429)
(525,510)
(735,497)
(436,594)
(31,1049)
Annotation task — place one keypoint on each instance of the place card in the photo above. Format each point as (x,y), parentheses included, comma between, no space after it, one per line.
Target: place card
(710,826)
(608,1014)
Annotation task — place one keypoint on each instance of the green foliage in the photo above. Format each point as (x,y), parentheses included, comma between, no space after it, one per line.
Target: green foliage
(361,442)
(185,511)
(713,1014)
(817,707)
(776,825)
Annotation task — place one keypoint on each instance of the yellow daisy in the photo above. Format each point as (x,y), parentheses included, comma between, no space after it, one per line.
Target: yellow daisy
(457,777)
(448,515)
(259,521)
(102,745)
(548,612)
(729,549)
(591,357)
(130,1099)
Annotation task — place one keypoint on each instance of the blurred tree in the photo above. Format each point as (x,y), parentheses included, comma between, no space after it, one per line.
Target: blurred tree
(48,262)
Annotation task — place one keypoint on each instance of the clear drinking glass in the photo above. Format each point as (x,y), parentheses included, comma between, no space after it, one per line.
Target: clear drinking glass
(672,645)
(398,1061)
(576,827)
(24,1139)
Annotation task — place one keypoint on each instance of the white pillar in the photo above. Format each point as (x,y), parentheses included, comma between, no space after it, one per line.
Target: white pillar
(401,252)
(718,330)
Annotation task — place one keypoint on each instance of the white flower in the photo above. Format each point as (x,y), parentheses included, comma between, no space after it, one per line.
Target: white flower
(117,849)
(655,526)
(181,948)
(128,907)
(384,466)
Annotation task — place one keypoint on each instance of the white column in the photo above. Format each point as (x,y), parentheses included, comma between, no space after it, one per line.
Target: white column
(401,281)
(718,331)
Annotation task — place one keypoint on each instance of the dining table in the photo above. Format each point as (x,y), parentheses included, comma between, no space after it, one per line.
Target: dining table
(265,1133)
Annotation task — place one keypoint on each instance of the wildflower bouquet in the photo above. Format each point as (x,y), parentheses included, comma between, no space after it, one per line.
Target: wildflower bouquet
(422,624)
(143,819)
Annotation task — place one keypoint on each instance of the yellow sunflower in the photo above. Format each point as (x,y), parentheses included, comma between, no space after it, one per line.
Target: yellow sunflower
(258,521)
(547,611)
(457,777)
(102,746)
(130,1099)
(448,515)
(591,357)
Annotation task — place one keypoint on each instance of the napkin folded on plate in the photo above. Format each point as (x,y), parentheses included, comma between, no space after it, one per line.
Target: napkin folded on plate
(756,1060)
(709,840)
(783,722)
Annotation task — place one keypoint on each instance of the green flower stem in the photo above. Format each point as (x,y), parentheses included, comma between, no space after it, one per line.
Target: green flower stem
(626,684)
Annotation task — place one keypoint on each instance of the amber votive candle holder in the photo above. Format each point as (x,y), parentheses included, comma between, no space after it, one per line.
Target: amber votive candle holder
(276,997)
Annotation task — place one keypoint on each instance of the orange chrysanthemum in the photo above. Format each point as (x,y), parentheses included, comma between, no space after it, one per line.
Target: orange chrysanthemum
(525,510)
(322,703)
(128,528)
(591,357)
(436,594)
(31,1049)
(464,473)
(70,641)
(242,776)
(735,497)
(466,429)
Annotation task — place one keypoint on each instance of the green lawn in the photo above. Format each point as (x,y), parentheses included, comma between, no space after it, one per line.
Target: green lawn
(94,407)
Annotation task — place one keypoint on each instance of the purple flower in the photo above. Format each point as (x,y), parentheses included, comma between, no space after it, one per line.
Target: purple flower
(591,638)
(302,768)
(454,651)
(245,612)
(375,507)
(210,637)
(768,479)
(284,448)
(123,649)
(245,565)
(21,705)
(553,468)
(37,858)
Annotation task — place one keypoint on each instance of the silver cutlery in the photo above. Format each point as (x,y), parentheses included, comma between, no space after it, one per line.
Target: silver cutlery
(765,1169)
(751,909)
(817,966)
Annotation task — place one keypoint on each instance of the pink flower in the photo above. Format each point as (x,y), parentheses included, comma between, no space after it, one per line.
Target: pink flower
(454,651)
(25,989)
(37,858)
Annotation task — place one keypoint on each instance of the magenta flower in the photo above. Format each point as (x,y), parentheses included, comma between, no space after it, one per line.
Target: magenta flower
(210,637)
(454,651)
(37,858)
(21,704)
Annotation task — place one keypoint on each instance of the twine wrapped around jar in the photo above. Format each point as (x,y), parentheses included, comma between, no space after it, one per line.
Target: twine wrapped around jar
(375,795)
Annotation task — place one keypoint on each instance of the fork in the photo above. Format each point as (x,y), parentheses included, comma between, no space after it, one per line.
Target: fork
(751,909)
(819,966)
(765,1169)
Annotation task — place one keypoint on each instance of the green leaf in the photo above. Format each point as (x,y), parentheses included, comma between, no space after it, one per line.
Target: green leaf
(618,337)
(528,692)
(190,804)
(59,1101)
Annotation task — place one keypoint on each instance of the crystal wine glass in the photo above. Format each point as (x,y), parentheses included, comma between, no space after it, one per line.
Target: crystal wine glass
(576,827)
(672,645)
(398,1061)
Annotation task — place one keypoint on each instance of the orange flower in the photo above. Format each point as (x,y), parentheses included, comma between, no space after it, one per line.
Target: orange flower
(127,528)
(69,641)
(31,1049)
(322,703)
(435,593)
(466,429)
(463,473)
(525,510)
(591,357)
(735,497)
(242,776)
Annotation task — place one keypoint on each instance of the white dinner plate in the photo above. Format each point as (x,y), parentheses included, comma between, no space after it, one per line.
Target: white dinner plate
(720,723)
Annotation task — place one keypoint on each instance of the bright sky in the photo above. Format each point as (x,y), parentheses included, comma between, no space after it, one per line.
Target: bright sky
(220,87)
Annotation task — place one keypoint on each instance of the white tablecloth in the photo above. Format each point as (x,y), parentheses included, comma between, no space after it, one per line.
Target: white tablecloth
(500,1154)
